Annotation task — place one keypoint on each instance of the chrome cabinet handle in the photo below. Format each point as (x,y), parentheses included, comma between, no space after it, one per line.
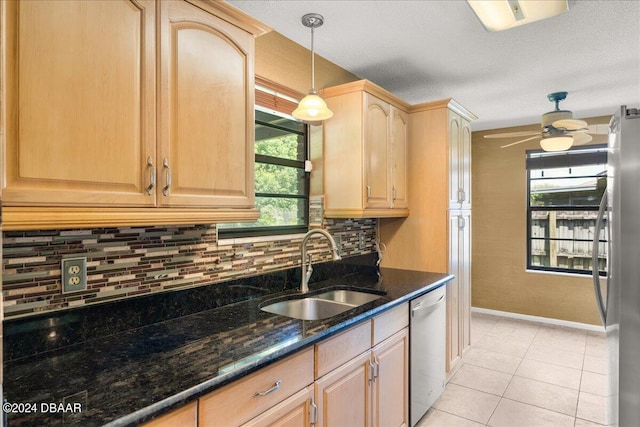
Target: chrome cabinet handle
(461,195)
(152,175)
(376,369)
(165,190)
(461,222)
(275,387)
(313,416)
(395,193)
(368,192)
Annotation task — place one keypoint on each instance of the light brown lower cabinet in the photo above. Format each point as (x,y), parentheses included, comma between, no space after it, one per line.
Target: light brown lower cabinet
(369,390)
(391,383)
(343,396)
(187,416)
(358,378)
(362,374)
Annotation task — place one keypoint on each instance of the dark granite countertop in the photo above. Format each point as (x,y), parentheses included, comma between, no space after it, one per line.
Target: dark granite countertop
(129,376)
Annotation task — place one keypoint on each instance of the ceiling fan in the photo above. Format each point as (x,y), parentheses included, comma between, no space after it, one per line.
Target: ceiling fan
(559,131)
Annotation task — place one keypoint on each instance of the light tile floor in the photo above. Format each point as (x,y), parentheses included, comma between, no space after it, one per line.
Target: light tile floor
(525,374)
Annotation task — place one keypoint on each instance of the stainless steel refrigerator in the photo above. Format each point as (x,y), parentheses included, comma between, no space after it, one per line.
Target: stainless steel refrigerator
(618,295)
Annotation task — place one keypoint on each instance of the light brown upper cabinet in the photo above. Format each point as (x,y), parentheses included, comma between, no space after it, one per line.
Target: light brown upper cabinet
(459,161)
(116,107)
(365,152)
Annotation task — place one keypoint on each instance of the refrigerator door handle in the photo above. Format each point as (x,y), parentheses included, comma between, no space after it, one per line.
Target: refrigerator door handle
(594,260)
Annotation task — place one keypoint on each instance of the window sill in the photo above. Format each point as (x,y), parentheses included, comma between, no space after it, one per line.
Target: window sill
(257,239)
(559,273)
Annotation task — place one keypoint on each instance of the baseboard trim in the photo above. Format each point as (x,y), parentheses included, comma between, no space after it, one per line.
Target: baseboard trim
(539,319)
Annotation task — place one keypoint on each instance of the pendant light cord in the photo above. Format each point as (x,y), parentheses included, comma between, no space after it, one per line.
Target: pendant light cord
(313,65)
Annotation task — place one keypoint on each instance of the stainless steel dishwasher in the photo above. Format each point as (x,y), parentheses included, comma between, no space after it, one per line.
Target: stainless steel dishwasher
(427,351)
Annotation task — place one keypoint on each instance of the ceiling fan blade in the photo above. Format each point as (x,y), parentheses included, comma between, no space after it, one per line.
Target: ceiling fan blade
(513,134)
(569,124)
(521,141)
(600,129)
(581,138)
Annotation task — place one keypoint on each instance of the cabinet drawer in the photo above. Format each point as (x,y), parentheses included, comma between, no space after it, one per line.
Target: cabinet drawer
(182,417)
(390,322)
(236,404)
(337,350)
(291,413)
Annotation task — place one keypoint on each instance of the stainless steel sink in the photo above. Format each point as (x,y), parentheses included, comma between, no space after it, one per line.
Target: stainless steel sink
(354,298)
(322,306)
(307,308)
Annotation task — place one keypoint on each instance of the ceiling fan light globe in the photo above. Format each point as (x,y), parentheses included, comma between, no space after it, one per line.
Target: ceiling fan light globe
(312,109)
(556,143)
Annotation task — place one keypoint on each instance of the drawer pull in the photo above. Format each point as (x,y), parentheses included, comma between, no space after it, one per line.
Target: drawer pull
(275,387)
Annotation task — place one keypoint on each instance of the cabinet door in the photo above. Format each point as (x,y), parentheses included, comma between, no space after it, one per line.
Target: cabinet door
(464,270)
(454,344)
(391,385)
(459,162)
(343,395)
(399,138)
(459,289)
(376,153)
(456,195)
(293,412)
(206,110)
(465,162)
(80,102)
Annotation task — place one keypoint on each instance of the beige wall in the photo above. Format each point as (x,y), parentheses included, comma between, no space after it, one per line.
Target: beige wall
(286,62)
(499,280)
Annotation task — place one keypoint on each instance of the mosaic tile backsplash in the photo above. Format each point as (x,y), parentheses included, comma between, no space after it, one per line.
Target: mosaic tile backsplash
(130,261)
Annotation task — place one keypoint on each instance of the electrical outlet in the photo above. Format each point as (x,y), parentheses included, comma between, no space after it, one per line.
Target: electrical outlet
(361,242)
(74,274)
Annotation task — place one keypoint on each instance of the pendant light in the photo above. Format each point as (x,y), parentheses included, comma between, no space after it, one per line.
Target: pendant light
(312,109)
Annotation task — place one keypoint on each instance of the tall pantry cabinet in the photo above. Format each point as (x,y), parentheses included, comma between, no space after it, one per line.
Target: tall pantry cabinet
(437,234)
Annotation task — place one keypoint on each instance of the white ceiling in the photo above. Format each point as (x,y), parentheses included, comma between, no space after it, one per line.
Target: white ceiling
(428,50)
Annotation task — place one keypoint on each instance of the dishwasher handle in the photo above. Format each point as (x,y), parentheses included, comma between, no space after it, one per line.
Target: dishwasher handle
(428,308)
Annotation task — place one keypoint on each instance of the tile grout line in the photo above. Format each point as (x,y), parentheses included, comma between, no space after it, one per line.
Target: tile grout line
(502,397)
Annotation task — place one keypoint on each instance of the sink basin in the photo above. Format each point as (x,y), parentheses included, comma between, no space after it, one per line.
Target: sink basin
(307,308)
(322,306)
(353,298)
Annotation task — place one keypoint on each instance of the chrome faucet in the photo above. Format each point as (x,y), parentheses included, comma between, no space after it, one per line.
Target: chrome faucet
(307,270)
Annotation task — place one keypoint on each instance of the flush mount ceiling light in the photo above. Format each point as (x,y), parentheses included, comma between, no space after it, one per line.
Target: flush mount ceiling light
(312,109)
(556,143)
(497,15)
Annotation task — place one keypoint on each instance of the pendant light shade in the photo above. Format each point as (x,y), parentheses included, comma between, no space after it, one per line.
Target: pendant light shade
(312,109)
(556,143)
